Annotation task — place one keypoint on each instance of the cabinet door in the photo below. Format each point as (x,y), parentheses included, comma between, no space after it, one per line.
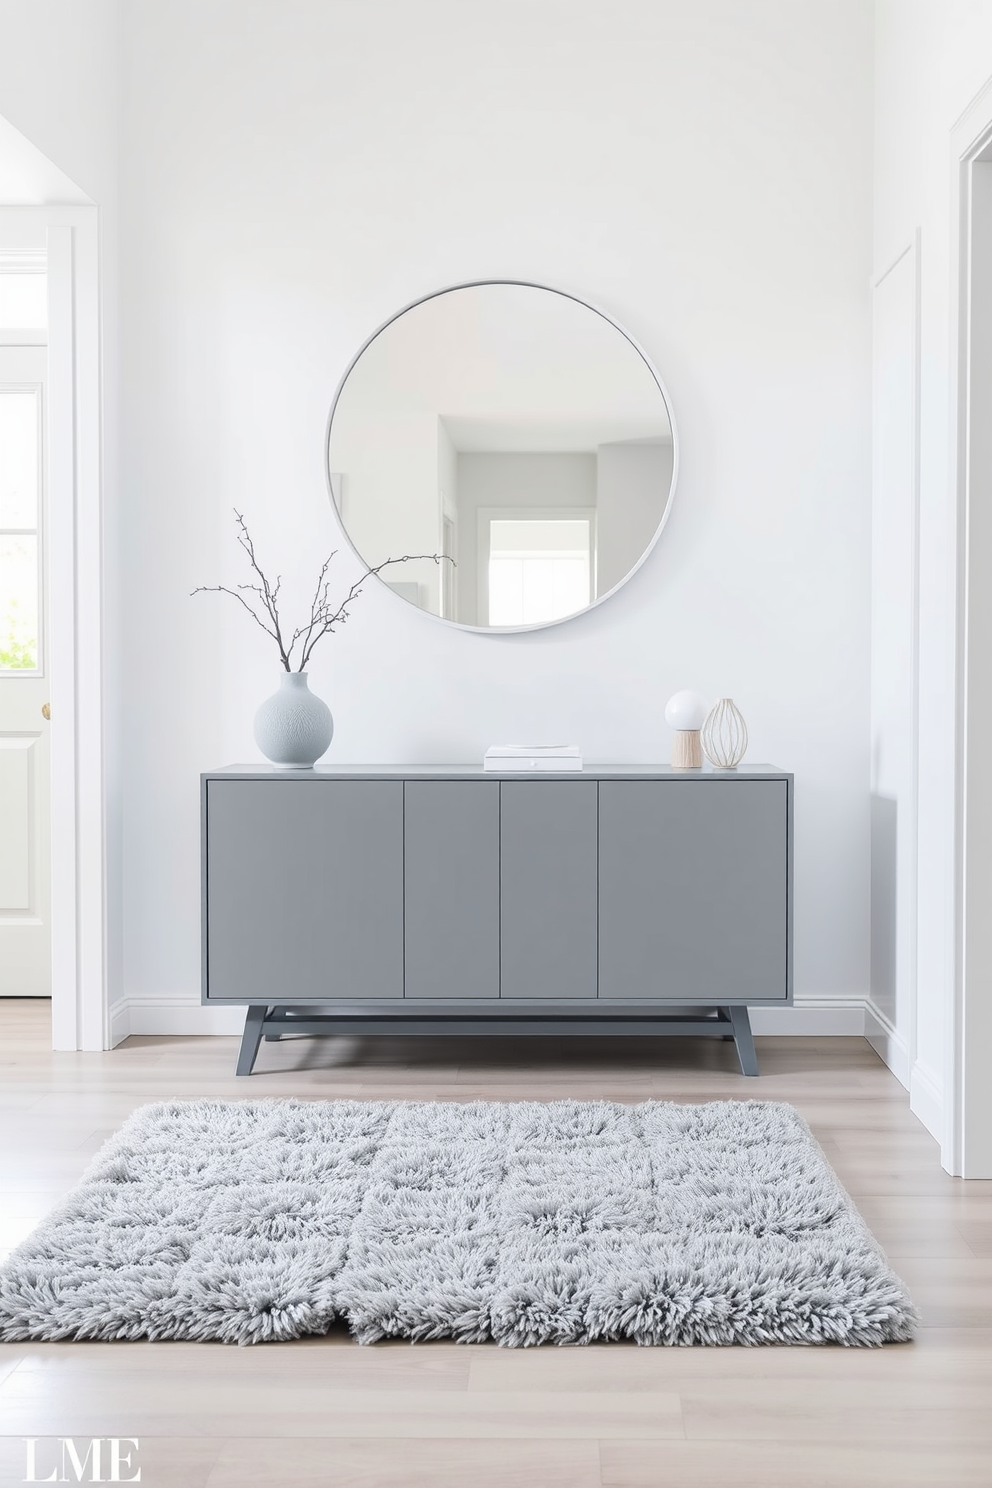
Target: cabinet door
(451,850)
(693,890)
(548,889)
(304,890)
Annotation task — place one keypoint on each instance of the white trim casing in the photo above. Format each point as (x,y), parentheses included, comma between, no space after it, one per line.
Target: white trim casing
(967,1144)
(92,1024)
(897,748)
(66,1009)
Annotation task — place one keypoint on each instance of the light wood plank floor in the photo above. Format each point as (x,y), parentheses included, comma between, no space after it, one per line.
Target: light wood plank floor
(326,1412)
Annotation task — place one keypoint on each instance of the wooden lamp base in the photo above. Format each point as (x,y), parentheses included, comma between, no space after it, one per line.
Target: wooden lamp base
(687,752)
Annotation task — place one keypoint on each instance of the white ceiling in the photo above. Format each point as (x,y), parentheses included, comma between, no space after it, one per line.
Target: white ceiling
(28,178)
(534,434)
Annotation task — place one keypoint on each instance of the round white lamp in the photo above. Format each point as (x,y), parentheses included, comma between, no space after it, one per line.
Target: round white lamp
(685,713)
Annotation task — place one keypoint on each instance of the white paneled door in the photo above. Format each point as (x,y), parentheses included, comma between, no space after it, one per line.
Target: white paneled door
(25,811)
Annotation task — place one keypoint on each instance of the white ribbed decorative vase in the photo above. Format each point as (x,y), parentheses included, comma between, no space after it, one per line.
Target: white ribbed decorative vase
(292,727)
(724,735)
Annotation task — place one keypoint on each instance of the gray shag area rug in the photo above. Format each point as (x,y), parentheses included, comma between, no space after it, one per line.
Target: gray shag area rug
(567,1222)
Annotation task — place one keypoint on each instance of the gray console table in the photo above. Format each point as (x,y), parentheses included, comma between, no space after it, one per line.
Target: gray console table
(440,899)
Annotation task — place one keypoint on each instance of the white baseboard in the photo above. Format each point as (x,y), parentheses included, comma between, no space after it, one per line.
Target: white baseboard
(823,1017)
(181,1015)
(888,1043)
(120,1021)
(186,1015)
(926,1100)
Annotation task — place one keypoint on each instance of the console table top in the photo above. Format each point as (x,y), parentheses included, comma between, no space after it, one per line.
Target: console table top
(591,771)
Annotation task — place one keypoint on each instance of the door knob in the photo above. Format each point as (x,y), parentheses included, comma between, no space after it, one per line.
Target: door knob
(46,710)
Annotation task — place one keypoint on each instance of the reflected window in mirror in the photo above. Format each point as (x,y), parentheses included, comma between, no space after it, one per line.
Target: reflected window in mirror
(539,567)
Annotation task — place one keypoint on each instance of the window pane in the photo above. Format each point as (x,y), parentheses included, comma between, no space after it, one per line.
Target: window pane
(19,459)
(506,583)
(23,302)
(539,568)
(526,590)
(18,603)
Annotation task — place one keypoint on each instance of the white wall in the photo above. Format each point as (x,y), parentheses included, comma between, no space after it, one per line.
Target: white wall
(288,179)
(932,57)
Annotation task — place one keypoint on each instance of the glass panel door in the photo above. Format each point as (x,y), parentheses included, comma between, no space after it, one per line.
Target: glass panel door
(20,527)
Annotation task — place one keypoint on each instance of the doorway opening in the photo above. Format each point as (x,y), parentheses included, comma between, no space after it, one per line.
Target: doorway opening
(56,528)
(25,778)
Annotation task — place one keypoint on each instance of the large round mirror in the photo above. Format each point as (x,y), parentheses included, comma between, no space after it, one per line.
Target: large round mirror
(516,438)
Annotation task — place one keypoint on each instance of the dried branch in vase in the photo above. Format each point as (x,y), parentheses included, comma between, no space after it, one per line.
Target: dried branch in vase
(325,616)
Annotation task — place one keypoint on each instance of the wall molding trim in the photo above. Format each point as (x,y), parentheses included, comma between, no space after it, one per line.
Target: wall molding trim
(888,1043)
(926,1100)
(824,1017)
(184,1015)
(119,1021)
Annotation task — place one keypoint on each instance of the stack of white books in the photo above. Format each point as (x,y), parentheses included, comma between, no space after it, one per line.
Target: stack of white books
(523,758)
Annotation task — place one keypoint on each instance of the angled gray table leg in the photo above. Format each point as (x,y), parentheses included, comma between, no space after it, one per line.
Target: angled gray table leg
(742,1038)
(252,1037)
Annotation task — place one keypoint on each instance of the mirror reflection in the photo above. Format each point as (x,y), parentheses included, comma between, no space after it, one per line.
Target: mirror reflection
(517,433)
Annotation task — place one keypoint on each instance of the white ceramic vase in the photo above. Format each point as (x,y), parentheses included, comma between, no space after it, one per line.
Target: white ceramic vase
(292,727)
(724,735)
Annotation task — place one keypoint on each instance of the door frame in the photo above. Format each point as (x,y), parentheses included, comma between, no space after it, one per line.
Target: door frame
(967,1145)
(70,237)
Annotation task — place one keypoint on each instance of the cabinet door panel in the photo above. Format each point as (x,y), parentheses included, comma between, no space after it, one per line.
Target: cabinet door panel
(452,889)
(304,890)
(693,886)
(548,889)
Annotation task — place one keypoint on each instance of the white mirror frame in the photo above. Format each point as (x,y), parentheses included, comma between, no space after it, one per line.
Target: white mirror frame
(550,289)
